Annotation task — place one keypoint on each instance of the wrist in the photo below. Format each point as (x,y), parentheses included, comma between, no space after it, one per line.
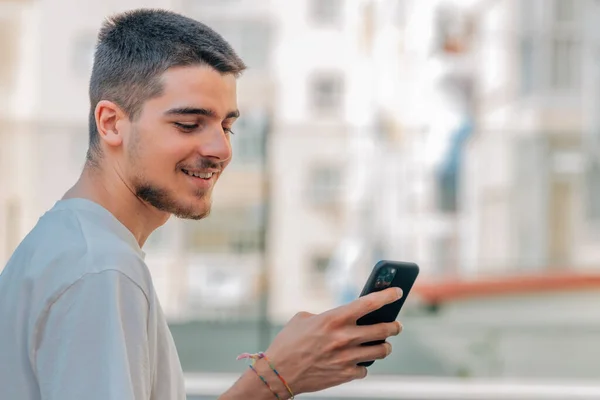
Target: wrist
(249,386)
(288,373)
(284,385)
(277,383)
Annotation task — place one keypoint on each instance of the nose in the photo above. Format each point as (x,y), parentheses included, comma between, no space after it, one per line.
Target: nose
(215,144)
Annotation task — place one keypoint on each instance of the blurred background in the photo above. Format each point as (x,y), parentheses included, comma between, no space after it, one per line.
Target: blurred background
(460,135)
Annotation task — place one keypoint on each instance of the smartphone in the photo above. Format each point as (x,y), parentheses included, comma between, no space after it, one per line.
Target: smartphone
(387,274)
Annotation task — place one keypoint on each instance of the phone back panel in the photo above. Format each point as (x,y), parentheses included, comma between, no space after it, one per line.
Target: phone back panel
(406,275)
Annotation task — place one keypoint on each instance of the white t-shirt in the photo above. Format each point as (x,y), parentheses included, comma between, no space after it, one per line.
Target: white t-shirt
(79,316)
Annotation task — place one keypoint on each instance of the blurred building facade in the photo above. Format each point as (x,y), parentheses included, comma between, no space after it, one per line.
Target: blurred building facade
(459,135)
(530,176)
(335,67)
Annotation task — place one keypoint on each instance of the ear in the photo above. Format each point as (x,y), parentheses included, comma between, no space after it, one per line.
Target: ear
(108,118)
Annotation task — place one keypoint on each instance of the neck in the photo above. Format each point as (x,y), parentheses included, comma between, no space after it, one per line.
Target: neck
(108,189)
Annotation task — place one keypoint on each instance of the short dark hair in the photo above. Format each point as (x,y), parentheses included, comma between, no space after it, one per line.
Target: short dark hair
(136,47)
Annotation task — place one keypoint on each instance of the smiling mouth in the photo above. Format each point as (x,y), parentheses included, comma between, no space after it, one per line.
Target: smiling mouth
(201,175)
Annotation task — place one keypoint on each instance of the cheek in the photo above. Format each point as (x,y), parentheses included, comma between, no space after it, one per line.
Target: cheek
(162,161)
(171,154)
(162,154)
(154,163)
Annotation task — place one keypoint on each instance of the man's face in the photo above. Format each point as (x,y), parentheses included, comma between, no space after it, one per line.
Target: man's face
(180,143)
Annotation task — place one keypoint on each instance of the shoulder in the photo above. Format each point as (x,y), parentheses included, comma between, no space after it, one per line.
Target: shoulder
(66,247)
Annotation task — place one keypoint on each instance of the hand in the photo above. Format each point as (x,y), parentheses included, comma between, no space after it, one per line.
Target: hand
(315,352)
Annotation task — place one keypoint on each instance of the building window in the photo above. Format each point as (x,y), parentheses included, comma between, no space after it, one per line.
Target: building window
(593,191)
(227,231)
(565,63)
(528,55)
(529,47)
(247,241)
(565,11)
(565,45)
(327,94)
(317,275)
(320,265)
(249,140)
(551,47)
(325,12)
(325,185)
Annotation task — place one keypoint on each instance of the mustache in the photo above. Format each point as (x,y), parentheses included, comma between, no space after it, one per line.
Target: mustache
(203,163)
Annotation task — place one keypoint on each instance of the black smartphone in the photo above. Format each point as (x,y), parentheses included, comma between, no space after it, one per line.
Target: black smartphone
(387,274)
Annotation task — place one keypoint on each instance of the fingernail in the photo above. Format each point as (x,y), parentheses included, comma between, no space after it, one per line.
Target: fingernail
(399,292)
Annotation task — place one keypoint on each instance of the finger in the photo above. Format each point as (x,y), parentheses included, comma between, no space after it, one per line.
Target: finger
(371,353)
(371,302)
(357,372)
(371,333)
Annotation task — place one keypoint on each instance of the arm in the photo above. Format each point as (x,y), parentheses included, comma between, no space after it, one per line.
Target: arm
(249,386)
(93,342)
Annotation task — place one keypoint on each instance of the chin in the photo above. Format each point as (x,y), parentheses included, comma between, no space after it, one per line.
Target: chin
(196,206)
(200,209)
(193,215)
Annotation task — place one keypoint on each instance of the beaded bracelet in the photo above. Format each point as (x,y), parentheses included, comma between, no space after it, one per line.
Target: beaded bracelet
(257,356)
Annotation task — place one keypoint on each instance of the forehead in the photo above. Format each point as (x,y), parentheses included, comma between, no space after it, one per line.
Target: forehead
(198,86)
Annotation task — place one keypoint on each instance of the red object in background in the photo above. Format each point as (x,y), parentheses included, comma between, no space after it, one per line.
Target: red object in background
(450,290)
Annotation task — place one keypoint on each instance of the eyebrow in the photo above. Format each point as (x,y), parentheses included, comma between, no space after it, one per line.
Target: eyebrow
(200,111)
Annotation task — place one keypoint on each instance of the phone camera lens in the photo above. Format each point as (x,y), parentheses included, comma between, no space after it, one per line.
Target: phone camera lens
(390,274)
(385,278)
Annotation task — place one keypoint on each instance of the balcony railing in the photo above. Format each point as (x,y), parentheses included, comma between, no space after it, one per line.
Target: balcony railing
(201,386)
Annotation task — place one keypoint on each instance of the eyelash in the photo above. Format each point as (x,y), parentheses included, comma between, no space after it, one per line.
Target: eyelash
(186,127)
(189,128)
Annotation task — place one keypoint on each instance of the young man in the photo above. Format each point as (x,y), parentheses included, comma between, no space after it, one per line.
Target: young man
(80,316)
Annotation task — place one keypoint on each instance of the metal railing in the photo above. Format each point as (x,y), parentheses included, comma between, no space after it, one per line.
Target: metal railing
(201,386)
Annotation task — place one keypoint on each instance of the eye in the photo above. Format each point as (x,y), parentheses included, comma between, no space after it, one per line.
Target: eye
(229,131)
(186,127)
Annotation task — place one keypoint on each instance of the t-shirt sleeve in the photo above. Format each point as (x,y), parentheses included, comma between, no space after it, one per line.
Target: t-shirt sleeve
(94,341)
